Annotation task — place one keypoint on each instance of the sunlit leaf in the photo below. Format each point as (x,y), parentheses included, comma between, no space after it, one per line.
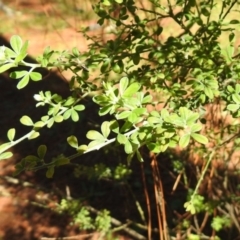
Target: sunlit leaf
(16,43)
(25,120)
(5,155)
(18,74)
(123,84)
(79,107)
(11,134)
(95,135)
(123,115)
(199,138)
(4,146)
(97,144)
(74,115)
(72,141)
(128,147)
(58,118)
(34,135)
(39,124)
(121,138)
(184,140)
(233,107)
(6,66)
(105,128)
(132,89)
(23,82)
(35,76)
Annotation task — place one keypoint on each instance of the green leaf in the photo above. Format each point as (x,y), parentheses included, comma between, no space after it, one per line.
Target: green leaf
(105,110)
(76,52)
(133,118)
(23,53)
(190,207)
(62,161)
(42,149)
(123,115)
(34,135)
(39,124)
(79,107)
(114,126)
(11,134)
(136,58)
(58,118)
(50,122)
(192,118)
(69,101)
(67,114)
(97,144)
(16,43)
(6,66)
(35,76)
(193,237)
(209,92)
(234,21)
(184,140)
(196,127)
(184,113)
(10,53)
(139,156)
(18,74)
(132,89)
(50,172)
(121,138)
(4,146)
(147,99)
(74,115)
(123,85)
(236,98)
(82,148)
(23,82)
(118,67)
(25,120)
(105,128)
(72,141)
(199,138)
(5,155)
(95,135)
(233,107)
(106,3)
(128,147)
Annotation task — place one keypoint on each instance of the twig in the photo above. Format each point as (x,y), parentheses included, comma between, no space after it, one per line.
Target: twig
(158,188)
(77,237)
(148,203)
(116,222)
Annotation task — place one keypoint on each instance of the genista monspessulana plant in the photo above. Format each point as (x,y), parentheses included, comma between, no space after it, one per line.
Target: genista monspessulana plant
(157,87)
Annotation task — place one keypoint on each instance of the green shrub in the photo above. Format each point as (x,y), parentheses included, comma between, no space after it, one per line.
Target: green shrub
(157,88)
